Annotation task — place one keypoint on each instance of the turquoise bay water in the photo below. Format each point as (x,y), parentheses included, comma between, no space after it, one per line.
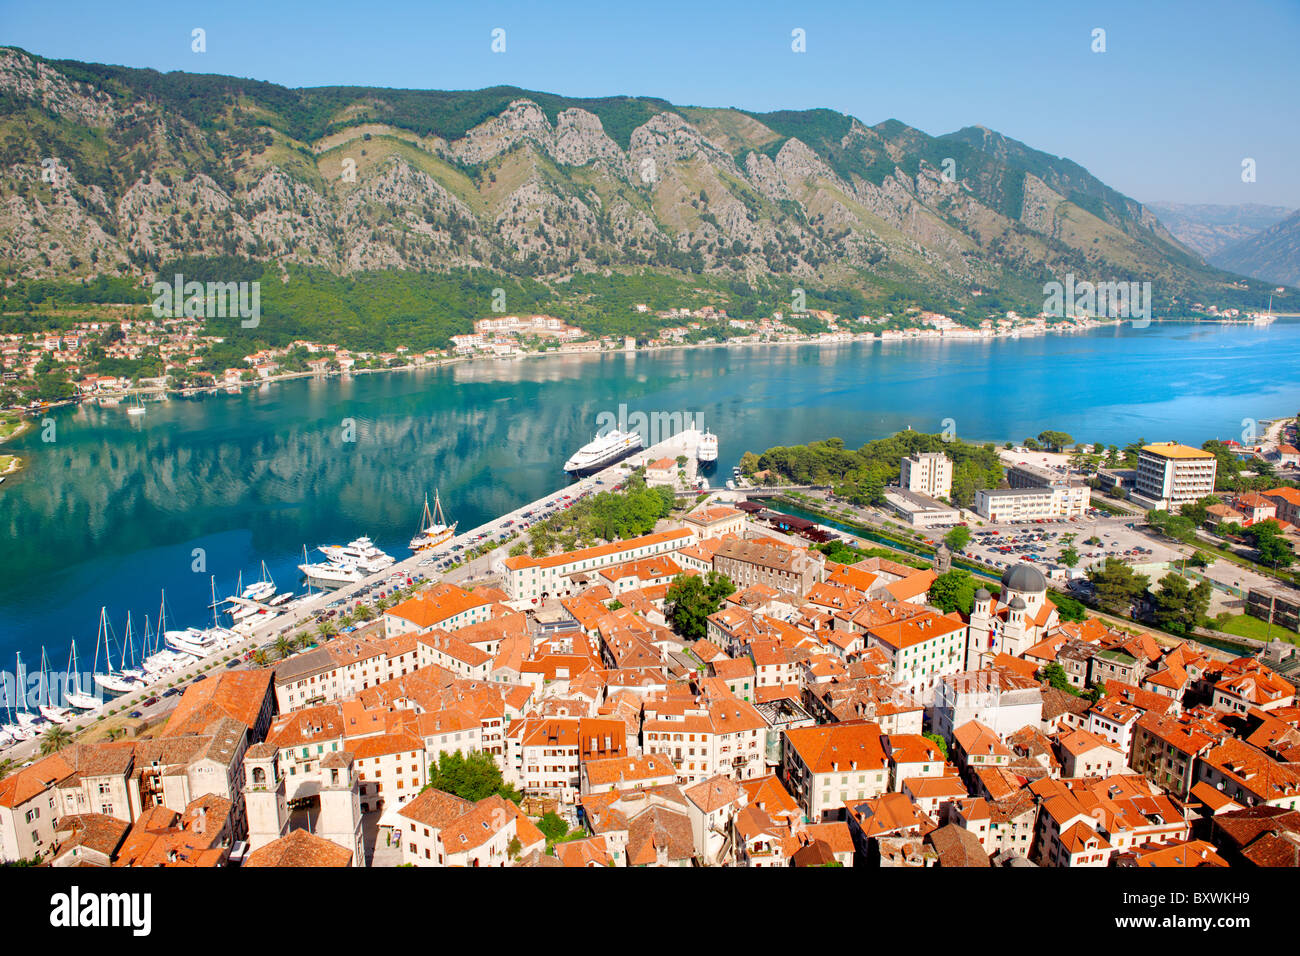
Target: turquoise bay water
(112,511)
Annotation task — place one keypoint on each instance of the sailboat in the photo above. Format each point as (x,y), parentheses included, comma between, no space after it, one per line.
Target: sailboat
(22,715)
(123,681)
(138,407)
(434,529)
(11,731)
(50,710)
(260,590)
(162,660)
(1267,317)
(73,694)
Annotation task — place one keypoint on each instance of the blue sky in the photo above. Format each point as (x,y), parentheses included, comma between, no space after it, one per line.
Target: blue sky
(1184,92)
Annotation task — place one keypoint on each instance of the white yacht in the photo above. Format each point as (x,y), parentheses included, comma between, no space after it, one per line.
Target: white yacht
(360,553)
(258,591)
(200,642)
(328,574)
(167,662)
(603,450)
(707,449)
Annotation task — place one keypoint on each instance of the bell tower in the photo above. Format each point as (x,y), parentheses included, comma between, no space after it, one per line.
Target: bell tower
(340,804)
(264,797)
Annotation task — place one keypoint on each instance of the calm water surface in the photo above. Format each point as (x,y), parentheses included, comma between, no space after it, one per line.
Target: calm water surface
(112,511)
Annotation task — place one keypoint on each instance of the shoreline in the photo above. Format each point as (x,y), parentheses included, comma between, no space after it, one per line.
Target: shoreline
(830,338)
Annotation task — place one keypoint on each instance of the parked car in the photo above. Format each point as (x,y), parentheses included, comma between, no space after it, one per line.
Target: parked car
(149,701)
(136,714)
(171,692)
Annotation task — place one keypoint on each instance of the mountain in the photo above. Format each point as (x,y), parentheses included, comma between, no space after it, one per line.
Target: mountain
(153,168)
(1272,255)
(1209,229)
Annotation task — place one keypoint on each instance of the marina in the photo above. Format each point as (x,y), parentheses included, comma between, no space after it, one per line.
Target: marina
(185,652)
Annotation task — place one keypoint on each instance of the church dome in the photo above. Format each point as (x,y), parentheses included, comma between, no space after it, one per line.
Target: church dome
(1024,577)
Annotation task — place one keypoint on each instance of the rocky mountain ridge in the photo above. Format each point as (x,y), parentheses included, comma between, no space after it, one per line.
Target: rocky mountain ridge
(115,171)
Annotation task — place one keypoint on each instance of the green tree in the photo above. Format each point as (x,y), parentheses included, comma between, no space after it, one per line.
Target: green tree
(1197,511)
(1117,585)
(938,741)
(691,599)
(1273,550)
(1177,606)
(1054,440)
(55,739)
(552,826)
(953,591)
(1175,526)
(1067,608)
(957,538)
(1057,677)
(473,777)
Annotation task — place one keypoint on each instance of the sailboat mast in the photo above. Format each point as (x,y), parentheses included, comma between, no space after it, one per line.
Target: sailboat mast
(44,685)
(72,670)
(99,639)
(20,676)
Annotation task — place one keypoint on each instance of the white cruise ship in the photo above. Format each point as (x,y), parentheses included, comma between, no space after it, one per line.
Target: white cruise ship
(360,553)
(707,449)
(603,450)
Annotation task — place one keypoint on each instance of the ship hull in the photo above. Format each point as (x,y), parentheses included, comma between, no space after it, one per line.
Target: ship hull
(579,470)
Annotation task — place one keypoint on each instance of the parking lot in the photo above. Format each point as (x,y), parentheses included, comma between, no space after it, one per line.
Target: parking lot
(1041,542)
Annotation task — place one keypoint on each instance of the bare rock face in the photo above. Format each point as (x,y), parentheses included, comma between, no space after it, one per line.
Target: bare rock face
(580,139)
(27,79)
(540,192)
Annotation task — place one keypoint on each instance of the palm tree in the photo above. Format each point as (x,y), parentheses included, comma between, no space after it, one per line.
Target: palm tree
(384,603)
(365,612)
(116,733)
(261,658)
(326,629)
(55,739)
(282,647)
